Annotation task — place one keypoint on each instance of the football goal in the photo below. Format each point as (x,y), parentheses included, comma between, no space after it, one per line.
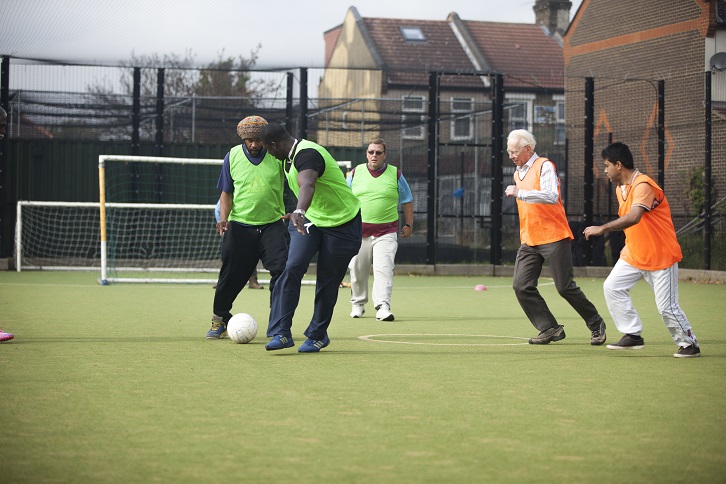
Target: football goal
(154,222)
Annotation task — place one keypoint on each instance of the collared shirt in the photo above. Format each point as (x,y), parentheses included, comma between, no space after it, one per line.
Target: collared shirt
(548,183)
(644,195)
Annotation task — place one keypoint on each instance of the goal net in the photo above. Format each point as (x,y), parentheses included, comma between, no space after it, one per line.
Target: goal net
(144,242)
(154,222)
(156,219)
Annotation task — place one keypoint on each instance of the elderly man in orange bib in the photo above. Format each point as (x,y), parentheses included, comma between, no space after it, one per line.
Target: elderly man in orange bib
(651,252)
(546,236)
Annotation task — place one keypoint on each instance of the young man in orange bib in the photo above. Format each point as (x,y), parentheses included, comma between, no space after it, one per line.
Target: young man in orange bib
(651,252)
(546,236)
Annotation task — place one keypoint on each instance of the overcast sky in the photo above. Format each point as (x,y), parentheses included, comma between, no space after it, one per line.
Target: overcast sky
(290,32)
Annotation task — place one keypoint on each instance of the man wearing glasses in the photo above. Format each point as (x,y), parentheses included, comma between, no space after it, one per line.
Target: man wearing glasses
(545,235)
(381,188)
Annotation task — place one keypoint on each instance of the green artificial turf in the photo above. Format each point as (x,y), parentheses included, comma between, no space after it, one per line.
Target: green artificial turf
(118,384)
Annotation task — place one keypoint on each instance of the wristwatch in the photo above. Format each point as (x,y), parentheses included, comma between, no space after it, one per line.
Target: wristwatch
(408,225)
(300,211)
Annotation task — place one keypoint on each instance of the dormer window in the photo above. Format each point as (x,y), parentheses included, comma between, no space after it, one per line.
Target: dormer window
(412,34)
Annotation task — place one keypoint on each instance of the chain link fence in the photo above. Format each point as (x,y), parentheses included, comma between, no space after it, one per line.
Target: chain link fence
(60,113)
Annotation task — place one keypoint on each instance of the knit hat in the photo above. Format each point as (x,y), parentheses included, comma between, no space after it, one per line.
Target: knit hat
(251,127)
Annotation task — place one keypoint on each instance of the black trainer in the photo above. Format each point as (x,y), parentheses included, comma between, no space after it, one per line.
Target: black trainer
(628,342)
(692,351)
(545,337)
(598,335)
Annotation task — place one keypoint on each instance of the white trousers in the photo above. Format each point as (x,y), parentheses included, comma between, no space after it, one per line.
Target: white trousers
(381,253)
(664,282)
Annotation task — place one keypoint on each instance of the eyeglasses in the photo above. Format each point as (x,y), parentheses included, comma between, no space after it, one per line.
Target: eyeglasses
(372,152)
(516,153)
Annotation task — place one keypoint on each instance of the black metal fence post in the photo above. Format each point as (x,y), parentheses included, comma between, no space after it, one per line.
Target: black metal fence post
(661,133)
(707,178)
(5,231)
(432,183)
(303,132)
(136,113)
(160,112)
(289,101)
(588,159)
(495,253)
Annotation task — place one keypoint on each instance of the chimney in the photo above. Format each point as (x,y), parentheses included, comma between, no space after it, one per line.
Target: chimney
(554,15)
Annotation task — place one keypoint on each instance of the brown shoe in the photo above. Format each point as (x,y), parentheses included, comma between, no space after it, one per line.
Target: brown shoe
(255,285)
(598,335)
(692,351)
(628,342)
(545,337)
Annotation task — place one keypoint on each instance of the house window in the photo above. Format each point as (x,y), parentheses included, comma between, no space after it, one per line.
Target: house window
(412,121)
(344,119)
(559,120)
(519,110)
(461,123)
(412,34)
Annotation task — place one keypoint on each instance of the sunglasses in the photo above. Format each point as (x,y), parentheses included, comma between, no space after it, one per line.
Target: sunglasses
(379,153)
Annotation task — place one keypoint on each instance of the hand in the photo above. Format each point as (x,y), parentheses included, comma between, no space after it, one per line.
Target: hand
(593,230)
(406,231)
(511,191)
(221,227)
(298,220)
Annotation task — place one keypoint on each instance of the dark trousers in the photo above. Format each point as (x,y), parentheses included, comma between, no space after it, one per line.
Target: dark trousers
(527,269)
(242,247)
(335,248)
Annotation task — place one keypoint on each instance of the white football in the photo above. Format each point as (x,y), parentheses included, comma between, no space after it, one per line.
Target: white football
(242,328)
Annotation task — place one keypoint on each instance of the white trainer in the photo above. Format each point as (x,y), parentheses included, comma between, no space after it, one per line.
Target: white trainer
(357,311)
(384,313)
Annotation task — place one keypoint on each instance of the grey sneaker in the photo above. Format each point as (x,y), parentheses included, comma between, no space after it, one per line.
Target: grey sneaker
(598,335)
(545,337)
(628,342)
(692,351)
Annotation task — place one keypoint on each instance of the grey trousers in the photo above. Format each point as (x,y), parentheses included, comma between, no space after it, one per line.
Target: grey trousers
(527,270)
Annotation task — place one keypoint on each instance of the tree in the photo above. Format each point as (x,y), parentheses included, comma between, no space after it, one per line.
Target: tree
(224,93)
(200,105)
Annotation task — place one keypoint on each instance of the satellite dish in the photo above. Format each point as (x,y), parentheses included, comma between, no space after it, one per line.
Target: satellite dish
(718,61)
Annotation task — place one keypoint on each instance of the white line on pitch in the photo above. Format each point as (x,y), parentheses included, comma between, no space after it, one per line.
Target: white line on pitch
(371,338)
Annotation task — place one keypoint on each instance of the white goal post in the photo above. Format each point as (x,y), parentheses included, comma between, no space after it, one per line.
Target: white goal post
(154,223)
(146,232)
(65,236)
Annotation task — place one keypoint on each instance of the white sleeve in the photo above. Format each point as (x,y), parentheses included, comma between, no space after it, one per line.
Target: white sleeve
(548,183)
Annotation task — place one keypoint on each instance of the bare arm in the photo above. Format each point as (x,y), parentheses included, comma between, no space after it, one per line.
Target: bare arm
(407,229)
(225,206)
(622,223)
(306,180)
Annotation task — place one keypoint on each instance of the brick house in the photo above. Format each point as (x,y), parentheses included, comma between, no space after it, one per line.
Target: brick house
(376,77)
(627,47)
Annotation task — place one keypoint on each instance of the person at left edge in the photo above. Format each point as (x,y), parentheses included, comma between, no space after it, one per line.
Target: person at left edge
(326,222)
(4,336)
(251,210)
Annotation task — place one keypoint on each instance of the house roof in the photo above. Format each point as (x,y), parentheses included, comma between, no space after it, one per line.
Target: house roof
(408,61)
(523,52)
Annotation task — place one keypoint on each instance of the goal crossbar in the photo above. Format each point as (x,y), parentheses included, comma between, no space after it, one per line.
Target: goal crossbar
(153,222)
